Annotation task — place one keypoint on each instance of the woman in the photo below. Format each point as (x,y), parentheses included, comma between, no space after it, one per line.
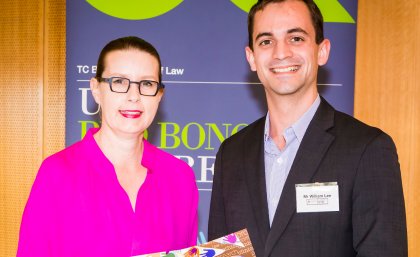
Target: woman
(113,193)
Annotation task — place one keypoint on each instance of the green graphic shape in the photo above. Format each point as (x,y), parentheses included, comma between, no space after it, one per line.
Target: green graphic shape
(332,10)
(134,9)
(244,5)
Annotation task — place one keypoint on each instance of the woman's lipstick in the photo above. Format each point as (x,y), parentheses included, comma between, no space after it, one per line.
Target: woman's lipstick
(131,114)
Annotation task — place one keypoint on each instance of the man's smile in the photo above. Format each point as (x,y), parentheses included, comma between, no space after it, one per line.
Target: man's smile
(285,69)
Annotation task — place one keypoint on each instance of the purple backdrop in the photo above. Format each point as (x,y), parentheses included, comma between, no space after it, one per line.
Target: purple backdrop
(210,92)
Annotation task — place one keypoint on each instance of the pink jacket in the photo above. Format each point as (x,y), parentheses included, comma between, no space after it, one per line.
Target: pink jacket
(78,208)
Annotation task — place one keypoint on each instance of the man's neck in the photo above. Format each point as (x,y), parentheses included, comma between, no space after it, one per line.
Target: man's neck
(286,110)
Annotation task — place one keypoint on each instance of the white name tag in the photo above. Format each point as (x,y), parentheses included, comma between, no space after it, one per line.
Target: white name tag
(317,197)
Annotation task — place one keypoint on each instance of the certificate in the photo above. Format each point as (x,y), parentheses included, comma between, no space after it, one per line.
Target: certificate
(235,244)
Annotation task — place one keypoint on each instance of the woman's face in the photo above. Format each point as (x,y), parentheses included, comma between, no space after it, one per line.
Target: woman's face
(127,113)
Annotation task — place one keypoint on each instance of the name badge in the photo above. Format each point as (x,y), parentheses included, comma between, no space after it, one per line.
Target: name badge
(317,197)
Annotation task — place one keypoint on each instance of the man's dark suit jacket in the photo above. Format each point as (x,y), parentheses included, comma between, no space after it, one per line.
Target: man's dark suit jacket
(336,148)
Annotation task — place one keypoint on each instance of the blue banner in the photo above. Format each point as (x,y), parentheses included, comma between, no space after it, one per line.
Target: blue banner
(210,91)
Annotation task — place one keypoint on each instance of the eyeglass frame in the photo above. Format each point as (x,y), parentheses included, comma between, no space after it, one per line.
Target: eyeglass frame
(109,81)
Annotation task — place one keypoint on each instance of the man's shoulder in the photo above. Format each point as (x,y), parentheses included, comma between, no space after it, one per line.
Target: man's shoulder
(342,125)
(349,125)
(352,133)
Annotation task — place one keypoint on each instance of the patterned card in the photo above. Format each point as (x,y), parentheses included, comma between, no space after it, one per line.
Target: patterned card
(236,244)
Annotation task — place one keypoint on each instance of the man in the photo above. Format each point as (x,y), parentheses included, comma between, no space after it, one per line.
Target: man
(305,180)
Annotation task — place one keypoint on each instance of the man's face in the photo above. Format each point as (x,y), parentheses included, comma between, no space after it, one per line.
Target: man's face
(285,55)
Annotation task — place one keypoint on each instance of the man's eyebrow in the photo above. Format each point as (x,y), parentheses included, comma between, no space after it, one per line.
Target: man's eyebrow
(263,34)
(297,30)
(290,31)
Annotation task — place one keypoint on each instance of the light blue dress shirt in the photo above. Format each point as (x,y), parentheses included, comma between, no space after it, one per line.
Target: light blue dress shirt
(278,162)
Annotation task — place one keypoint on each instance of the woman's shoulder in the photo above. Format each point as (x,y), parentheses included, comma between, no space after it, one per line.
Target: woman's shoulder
(155,154)
(66,161)
(54,172)
(163,162)
(67,155)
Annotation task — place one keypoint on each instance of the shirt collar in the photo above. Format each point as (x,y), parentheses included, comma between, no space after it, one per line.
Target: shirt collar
(148,159)
(94,151)
(300,126)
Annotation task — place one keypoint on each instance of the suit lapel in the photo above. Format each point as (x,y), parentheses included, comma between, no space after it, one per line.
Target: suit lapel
(309,155)
(253,153)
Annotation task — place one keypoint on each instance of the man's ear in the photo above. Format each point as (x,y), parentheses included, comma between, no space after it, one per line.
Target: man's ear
(250,57)
(323,52)
(94,87)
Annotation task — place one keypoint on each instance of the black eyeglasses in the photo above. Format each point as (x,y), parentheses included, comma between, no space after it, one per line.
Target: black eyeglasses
(122,85)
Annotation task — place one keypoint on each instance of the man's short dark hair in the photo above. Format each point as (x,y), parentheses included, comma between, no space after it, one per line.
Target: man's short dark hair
(316,17)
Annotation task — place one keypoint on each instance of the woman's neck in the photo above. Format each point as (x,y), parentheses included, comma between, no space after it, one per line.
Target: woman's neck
(120,149)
